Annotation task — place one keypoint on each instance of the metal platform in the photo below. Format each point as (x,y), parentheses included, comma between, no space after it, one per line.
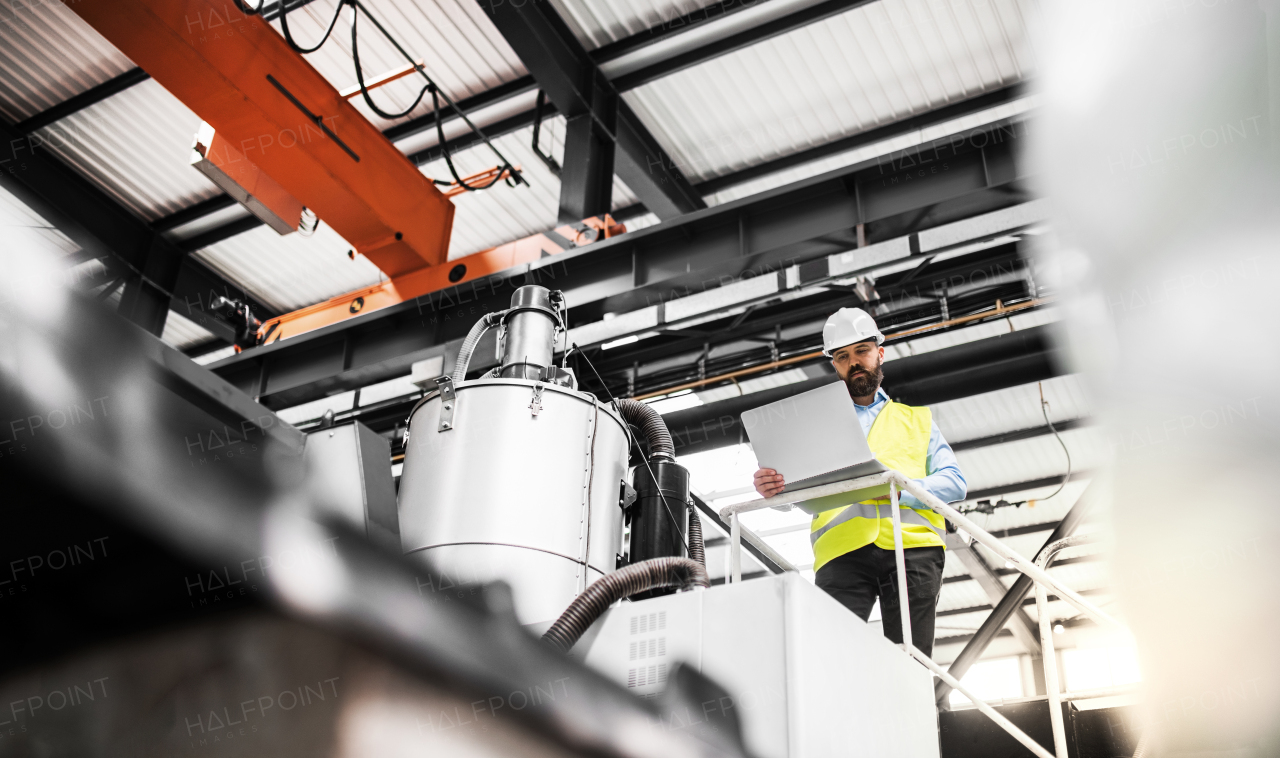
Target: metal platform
(809,679)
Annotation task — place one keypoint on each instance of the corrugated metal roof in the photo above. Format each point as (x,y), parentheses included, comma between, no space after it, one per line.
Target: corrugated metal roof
(1035,458)
(136,146)
(48,54)
(292,271)
(501,214)
(182,333)
(25,230)
(871,66)
(460,48)
(597,24)
(1011,409)
(872,151)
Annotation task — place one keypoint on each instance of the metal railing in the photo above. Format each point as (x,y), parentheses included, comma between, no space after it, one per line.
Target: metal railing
(1036,571)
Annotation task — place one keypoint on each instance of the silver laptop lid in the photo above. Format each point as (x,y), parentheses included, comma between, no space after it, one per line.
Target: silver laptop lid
(809,434)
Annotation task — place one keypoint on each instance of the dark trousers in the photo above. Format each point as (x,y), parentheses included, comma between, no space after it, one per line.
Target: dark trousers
(858,577)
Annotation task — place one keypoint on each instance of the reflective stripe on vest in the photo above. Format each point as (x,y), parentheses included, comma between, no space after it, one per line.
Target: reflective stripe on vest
(900,439)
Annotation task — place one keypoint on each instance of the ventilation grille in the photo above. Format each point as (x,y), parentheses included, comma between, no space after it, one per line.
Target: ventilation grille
(652,648)
(649,622)
(643,676)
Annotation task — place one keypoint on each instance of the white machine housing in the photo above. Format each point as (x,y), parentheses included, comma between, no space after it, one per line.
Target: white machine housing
(523,486)
(809,679)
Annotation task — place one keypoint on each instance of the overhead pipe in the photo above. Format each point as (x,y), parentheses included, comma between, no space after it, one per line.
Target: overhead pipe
(973,368)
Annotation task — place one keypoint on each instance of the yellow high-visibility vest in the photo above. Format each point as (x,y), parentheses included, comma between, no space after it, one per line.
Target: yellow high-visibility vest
(900,439)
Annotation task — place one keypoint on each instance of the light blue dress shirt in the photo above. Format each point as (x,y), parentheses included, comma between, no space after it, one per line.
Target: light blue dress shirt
(943,479)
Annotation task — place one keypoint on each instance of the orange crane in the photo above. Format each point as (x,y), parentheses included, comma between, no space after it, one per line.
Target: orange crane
(285,139)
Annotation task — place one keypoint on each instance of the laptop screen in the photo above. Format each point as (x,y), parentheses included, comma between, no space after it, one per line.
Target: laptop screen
(808,434)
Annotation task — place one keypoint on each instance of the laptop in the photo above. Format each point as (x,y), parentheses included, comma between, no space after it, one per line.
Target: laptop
(814,438)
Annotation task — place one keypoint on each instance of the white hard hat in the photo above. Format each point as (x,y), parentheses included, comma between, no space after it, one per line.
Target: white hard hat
(847,326)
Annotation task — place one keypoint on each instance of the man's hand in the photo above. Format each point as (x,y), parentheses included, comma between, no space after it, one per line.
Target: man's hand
(768,482)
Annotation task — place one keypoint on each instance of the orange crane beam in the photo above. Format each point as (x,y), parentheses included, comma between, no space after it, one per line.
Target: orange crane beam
(436,278)
(242,77)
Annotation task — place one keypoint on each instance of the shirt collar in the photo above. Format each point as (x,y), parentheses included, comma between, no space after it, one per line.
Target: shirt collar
(880,397)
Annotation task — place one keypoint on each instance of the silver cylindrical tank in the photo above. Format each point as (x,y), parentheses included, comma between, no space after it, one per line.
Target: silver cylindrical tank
(523,486)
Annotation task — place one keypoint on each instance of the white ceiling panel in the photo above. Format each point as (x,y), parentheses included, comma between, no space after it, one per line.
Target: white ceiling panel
(460,48)
(1011,409)
(865,68)
(292,271)
(598,23)
(48,54)
(502,214)
(136,146)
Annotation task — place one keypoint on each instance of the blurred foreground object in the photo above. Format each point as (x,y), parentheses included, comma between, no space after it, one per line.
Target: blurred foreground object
(1158,149)
(175,586)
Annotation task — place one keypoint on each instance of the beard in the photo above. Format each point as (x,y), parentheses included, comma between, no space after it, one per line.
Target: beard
(862,383)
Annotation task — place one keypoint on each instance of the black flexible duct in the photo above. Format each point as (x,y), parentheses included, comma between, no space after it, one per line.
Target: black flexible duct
(625,582)
(651,423)
(697,551)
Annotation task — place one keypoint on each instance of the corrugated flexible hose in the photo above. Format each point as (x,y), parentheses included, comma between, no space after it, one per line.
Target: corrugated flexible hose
(625,582)
(652,425)
(478,329)
(697,551)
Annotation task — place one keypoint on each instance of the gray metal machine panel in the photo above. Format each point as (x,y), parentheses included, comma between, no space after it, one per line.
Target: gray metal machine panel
(807,677)
(349,472)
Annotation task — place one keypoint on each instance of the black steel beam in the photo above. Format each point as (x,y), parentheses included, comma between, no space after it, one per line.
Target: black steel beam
(193,213)
(77,103)
(1020,434)
(973,368)
(580,90)
(1004,489)
(741,39)
(1011,602)
(159,272)
(883,133)
(219,233)
(756,235)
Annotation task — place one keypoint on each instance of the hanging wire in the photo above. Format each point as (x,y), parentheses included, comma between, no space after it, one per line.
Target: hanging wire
(435,100)
(1044,409)
(513,177)
(364,90)
(436,93)
(612,401)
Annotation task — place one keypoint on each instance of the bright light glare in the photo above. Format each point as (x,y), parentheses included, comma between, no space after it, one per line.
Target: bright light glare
(721,470)
(621,342)
(991,680)
(1092,668)
(1058,629)
(675,402)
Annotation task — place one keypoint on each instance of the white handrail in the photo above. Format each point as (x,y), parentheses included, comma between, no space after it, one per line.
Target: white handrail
(896,480)
(956,517)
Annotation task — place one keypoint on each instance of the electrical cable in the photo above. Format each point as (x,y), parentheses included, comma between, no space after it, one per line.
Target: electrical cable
(1044,409)
(612,401)
(288,36)
(435,101)
(506,164)
(364,90)
(513,178)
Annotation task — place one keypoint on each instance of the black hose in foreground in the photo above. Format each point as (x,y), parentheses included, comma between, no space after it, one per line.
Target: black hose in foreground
(697,551)
(625,582)
(651,424)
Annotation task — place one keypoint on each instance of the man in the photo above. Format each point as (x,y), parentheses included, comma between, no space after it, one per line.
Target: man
(853,553)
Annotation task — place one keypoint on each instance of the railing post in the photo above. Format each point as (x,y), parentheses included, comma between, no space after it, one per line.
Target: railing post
(735,550)
(1051,687)
(901,561)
